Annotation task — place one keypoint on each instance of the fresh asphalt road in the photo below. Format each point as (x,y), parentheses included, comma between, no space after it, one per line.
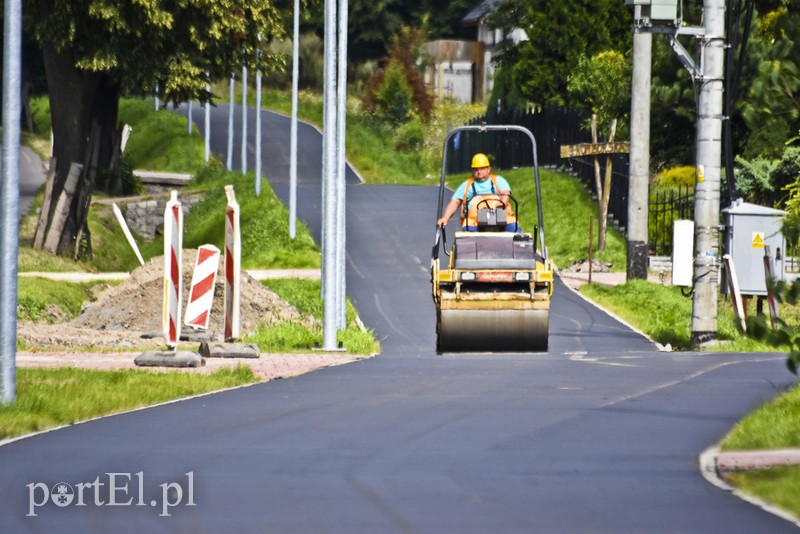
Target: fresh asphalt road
(602,433)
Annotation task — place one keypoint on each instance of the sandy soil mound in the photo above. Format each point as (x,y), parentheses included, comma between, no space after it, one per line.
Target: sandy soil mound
(123,313)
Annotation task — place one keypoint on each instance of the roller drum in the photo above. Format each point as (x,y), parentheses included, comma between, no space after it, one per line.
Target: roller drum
(492,330)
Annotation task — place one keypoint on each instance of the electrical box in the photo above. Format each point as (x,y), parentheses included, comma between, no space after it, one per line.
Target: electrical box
(751,230)
(657,10)
(682,253)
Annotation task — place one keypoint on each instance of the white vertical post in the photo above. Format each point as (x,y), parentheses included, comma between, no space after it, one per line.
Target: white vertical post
(244,120)
(231,105)
(189,116)
(233,255)
(9,197)
(173,277)
(207,123)
(293,130)
(155,99)
(329,232)
(258,123)
(341,184)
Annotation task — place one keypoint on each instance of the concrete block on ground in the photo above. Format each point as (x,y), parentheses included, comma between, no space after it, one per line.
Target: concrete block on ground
(229,350)
(169,358)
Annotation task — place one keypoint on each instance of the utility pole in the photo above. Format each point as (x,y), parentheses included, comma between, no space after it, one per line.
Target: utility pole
(639,178)
(707,174)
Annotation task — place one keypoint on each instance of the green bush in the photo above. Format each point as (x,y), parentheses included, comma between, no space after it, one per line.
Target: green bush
(674,177)
(410,136)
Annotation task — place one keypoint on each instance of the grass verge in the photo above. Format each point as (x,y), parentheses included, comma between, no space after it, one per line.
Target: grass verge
(301,336)
(665,315)
(779,486)
(51,397)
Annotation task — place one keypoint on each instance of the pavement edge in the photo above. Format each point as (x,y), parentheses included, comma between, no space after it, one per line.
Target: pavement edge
(708,468)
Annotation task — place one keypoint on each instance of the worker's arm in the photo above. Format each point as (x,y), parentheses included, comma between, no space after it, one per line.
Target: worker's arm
(449,211)
(504,194)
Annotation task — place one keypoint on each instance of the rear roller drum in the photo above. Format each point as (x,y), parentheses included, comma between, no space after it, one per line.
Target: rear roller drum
(492,330)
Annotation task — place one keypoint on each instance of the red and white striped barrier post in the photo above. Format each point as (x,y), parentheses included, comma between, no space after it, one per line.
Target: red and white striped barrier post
(173,257)
(736,295)
(201,294)
(773,304)
(233,255)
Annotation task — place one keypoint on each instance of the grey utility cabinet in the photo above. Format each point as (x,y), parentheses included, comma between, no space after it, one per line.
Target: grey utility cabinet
(660,10)
(750,230)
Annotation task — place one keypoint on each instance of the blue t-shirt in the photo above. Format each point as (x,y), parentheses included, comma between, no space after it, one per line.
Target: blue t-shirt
(481,188)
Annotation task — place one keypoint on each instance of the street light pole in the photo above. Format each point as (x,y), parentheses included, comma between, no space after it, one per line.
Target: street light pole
(9,197)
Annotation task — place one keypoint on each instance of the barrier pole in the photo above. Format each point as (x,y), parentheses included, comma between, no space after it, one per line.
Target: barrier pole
(173,257)
(773,304)
(736,295)
(233,254)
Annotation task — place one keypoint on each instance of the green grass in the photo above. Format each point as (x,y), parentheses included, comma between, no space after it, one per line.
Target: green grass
(779,486)
(773,425)
(52,397)
(665,315)
(43,299)
(301,336)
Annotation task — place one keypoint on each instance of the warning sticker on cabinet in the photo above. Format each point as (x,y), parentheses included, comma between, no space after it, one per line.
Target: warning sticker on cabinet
(758,239)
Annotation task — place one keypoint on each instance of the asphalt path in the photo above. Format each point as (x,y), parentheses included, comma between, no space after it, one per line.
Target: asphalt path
(602,433)
(31,178)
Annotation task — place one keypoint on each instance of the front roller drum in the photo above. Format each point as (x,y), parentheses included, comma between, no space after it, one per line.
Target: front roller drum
(492,330)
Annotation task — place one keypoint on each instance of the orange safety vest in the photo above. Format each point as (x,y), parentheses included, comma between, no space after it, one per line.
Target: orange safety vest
(469,213)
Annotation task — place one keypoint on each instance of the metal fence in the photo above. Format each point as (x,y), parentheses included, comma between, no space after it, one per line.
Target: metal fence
(667,207)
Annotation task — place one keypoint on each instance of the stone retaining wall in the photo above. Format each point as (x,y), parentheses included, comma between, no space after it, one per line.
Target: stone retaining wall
(146,218)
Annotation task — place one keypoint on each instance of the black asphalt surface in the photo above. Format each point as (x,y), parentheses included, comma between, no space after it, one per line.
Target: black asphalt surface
(600,434)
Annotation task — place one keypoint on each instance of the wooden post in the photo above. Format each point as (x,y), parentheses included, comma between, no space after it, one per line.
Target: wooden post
(62,209)
(44,214)
(591,242)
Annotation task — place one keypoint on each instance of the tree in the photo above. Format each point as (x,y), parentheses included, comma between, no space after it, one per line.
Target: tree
(95,49)
(600,86)
(559,33)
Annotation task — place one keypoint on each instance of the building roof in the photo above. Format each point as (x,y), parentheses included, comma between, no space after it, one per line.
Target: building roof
(479,11)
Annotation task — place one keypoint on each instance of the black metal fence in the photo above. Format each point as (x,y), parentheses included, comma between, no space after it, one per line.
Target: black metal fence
(667,207)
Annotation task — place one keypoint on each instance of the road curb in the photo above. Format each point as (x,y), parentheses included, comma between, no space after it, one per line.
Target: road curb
(708,468)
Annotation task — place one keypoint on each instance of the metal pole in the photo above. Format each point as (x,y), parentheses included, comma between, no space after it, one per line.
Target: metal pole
(639,179)
(207,131)
(341,184)
(293,130)
(707,183)
(258,124)
(244,120)
(189,116)
(9,197)
(329,232)
(229,163)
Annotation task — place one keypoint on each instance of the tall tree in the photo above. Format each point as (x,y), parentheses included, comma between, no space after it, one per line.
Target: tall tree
(95,49)
(559,33)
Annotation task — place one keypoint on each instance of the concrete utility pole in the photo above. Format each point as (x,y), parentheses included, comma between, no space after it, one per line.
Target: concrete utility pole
(707,179)
(293,129)
(639,179)
(9,197)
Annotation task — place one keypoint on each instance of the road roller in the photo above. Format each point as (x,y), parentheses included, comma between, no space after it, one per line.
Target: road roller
(492,291)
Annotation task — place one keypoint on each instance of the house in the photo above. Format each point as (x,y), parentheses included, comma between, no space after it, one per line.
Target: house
(464,70)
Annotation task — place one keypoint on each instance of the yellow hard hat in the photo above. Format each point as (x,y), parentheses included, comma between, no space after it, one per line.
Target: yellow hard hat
(479,160)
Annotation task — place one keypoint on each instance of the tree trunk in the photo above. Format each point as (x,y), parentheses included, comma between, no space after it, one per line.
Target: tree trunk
(601,238)
(78,99)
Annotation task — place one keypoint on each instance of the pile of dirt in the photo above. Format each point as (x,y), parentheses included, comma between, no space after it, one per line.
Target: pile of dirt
(123,314)
(582,266)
